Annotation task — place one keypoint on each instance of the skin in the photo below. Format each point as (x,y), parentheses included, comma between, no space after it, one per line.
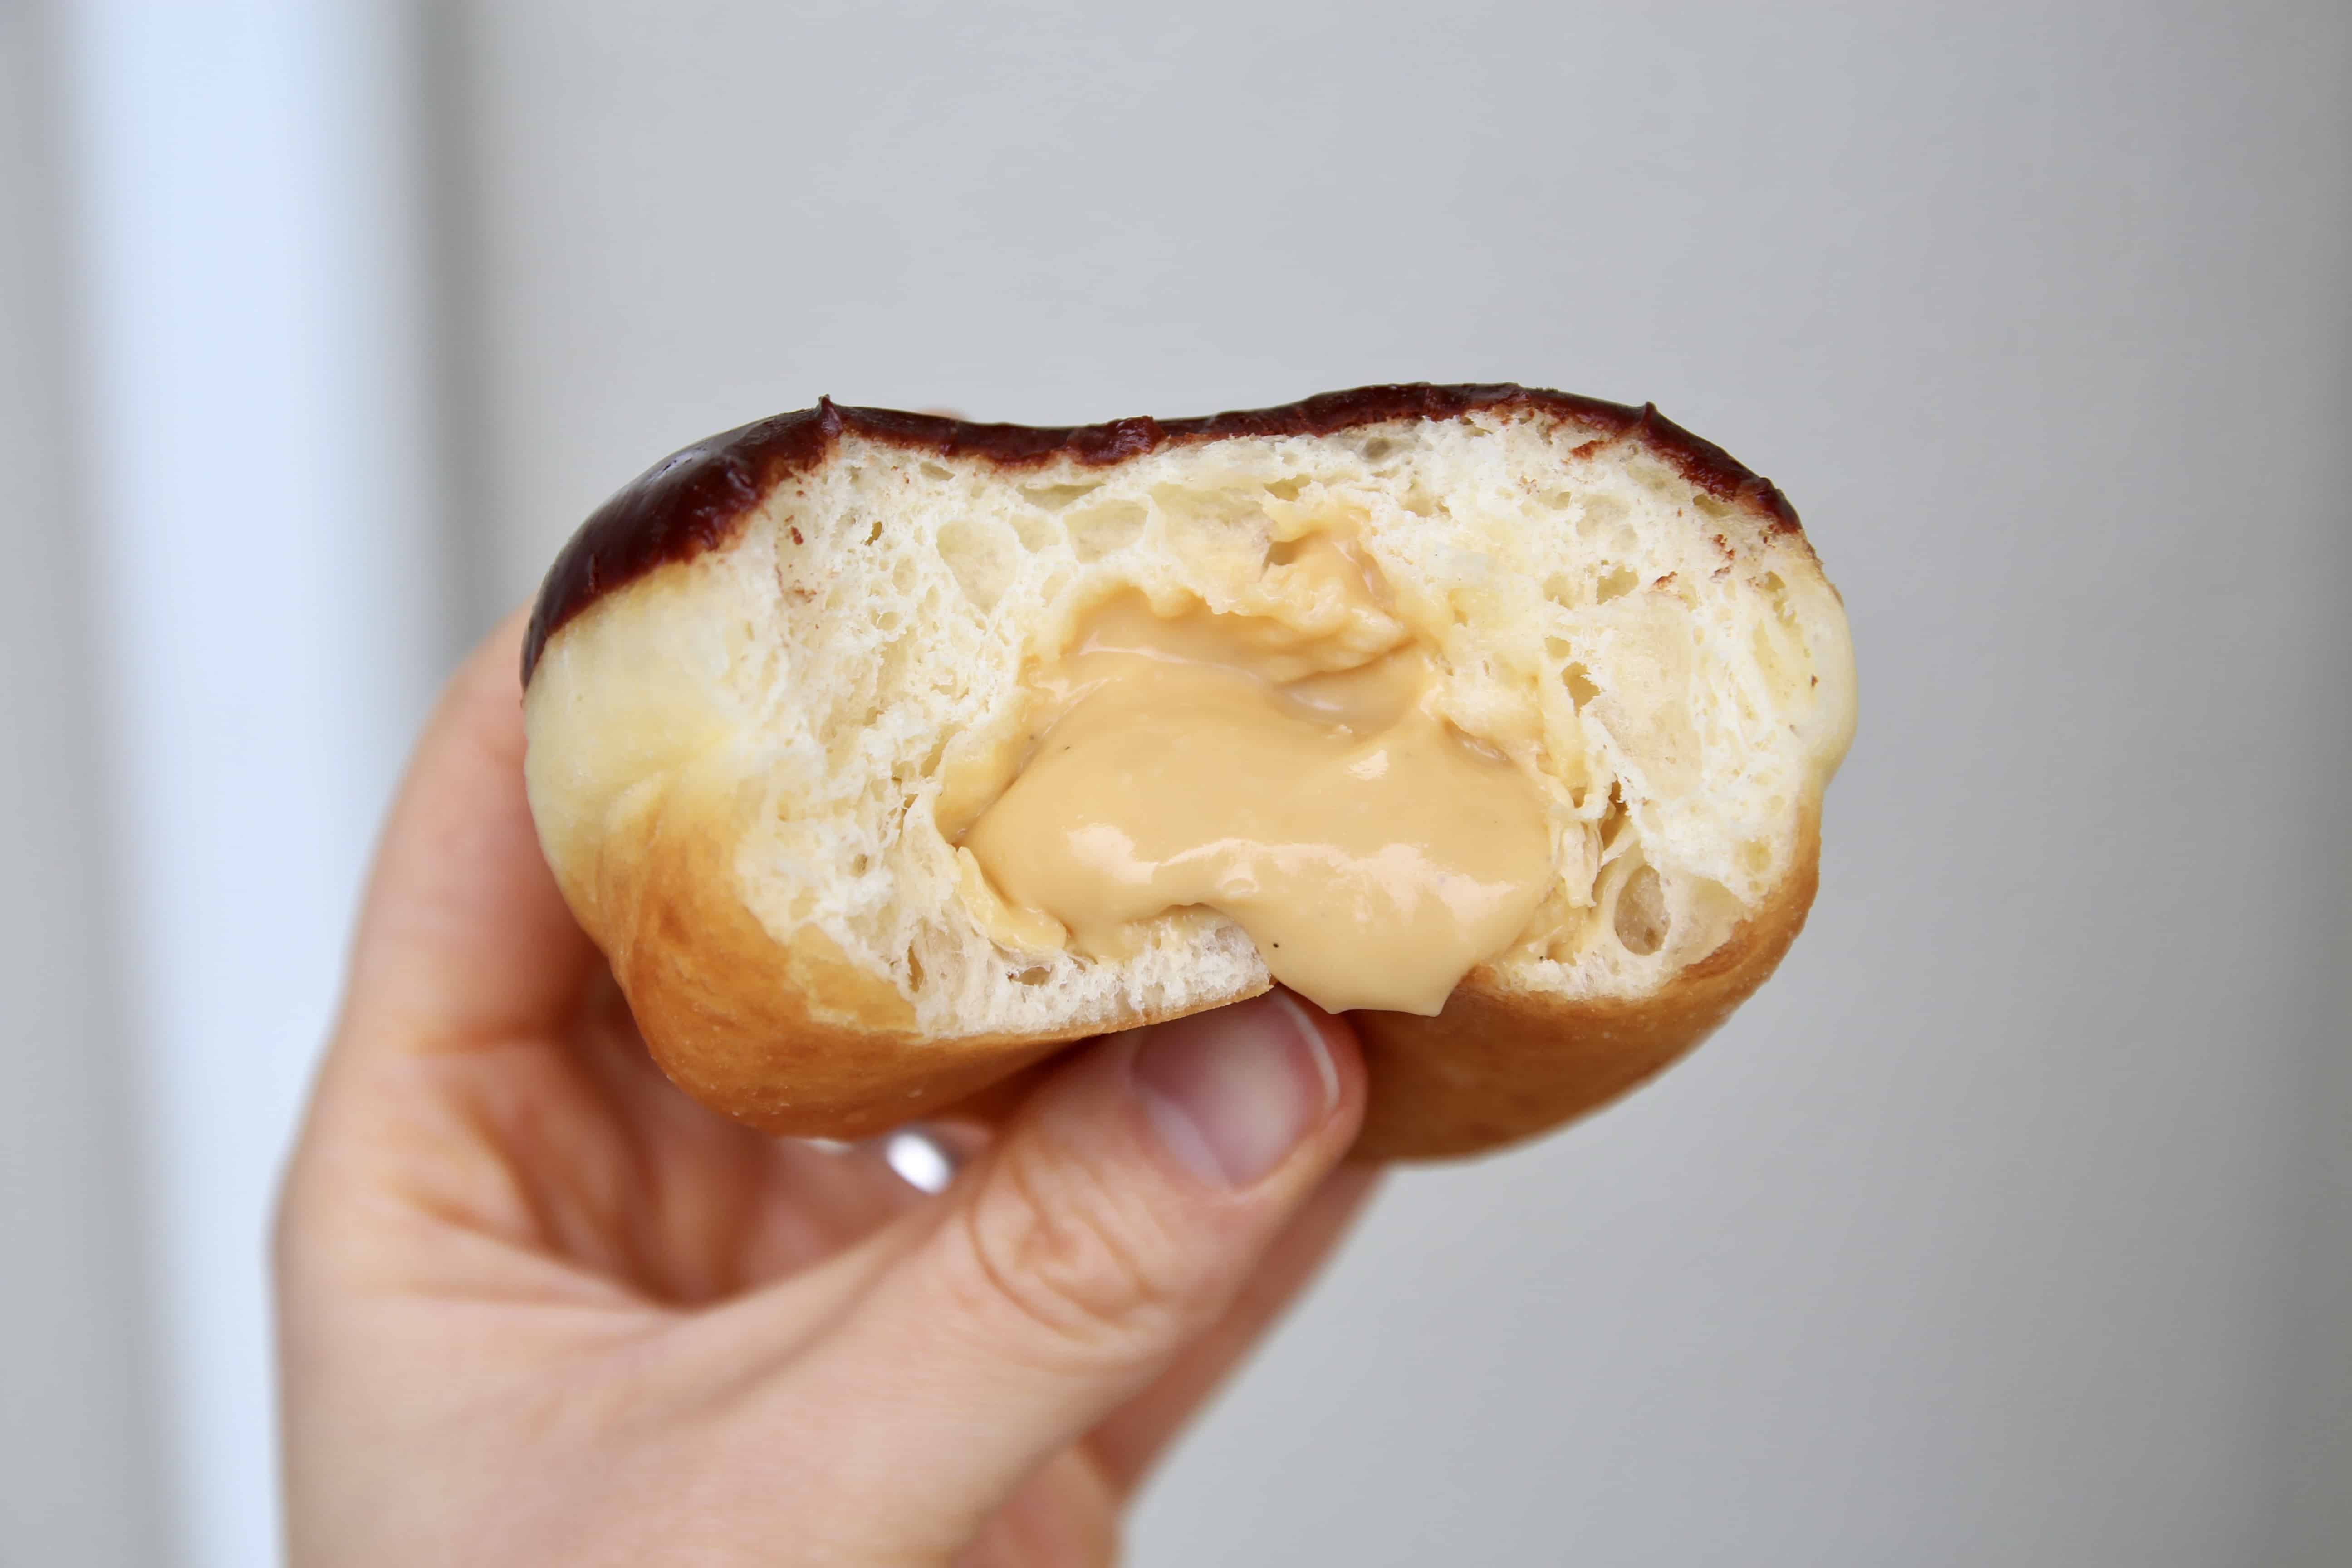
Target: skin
(537,1306)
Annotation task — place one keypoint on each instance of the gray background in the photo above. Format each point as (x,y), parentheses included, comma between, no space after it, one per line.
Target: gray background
(2012,1222)
(78,1477)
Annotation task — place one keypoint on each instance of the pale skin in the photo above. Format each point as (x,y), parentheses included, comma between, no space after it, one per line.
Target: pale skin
(537,1306)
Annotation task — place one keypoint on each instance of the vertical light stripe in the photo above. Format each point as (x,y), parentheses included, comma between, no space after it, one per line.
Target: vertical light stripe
(267,594)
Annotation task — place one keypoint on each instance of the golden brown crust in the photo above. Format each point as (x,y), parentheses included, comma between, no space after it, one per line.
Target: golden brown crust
(788,1038)
(1498,1066)
(795,1040)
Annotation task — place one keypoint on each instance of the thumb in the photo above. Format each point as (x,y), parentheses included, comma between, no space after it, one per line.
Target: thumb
(1109,1224)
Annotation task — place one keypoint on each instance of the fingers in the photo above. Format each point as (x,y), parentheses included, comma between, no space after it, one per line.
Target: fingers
(463,942)
(1113,1221)
(463,938)
(1127,1445)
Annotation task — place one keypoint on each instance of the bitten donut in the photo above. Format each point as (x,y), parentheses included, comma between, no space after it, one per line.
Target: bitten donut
(885,755)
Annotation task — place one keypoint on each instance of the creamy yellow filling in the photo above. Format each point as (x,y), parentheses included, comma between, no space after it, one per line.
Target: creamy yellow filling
(1275,769)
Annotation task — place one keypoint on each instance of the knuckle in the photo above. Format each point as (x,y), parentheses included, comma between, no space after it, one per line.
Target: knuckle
(1082,1276)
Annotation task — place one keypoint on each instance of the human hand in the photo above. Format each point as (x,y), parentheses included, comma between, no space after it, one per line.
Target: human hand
(535,1306)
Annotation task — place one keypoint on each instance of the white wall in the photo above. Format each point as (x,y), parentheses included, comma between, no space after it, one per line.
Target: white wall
(1986,1234)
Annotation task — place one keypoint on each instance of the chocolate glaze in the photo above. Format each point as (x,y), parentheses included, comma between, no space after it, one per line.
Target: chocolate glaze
(695,500)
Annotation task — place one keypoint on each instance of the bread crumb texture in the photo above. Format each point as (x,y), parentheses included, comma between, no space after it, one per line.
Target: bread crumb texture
(1670,666)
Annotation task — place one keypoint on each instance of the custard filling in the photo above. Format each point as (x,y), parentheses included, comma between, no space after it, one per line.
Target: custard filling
(1287,771)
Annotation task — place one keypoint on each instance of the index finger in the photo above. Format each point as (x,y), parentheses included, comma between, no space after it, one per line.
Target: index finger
(464,940)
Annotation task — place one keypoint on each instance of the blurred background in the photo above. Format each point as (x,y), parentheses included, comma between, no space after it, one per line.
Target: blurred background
(2012,1223)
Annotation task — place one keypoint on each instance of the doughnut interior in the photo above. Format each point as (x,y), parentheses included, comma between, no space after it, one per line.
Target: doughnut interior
(772,687)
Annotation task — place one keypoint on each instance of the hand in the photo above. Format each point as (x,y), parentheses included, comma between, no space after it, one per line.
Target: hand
(538,1307)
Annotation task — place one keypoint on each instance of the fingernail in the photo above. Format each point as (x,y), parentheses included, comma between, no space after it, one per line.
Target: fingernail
(1231,1093)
